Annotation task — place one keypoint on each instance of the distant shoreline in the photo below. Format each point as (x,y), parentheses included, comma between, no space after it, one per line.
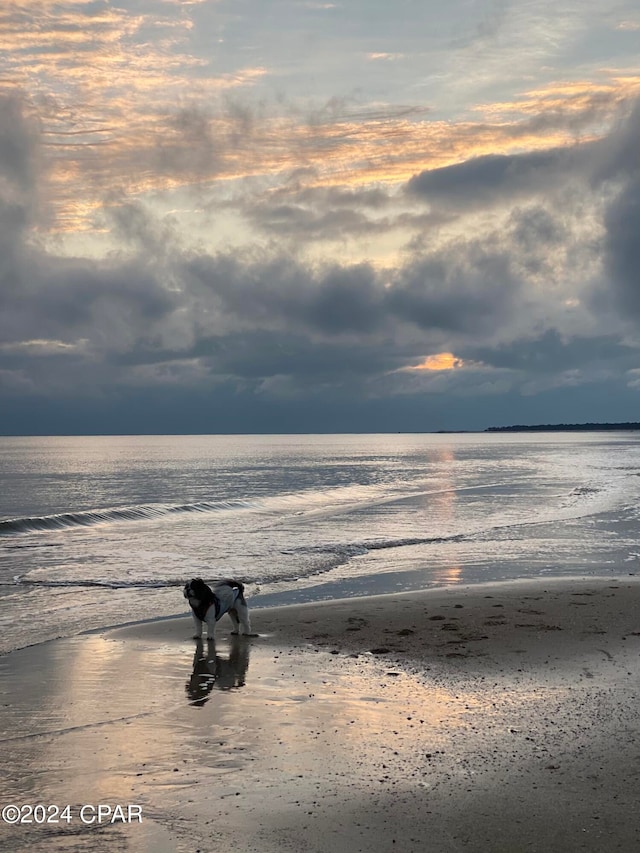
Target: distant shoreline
(565,427)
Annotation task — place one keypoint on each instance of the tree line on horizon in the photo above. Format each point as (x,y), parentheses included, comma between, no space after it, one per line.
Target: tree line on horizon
(630,425)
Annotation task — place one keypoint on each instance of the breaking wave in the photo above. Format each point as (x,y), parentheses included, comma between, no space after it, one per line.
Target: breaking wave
(90,518)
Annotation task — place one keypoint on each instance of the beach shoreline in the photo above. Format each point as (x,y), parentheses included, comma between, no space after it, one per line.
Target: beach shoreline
(494,717)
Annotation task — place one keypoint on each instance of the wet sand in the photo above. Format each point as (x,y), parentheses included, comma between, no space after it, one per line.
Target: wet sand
(500,717)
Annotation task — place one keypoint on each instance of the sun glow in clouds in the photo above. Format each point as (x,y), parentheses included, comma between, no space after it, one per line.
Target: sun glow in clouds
(439,361)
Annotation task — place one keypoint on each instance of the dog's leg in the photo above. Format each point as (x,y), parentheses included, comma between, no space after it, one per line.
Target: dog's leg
(211,623)
(234,618)
(198,626)
(242,614)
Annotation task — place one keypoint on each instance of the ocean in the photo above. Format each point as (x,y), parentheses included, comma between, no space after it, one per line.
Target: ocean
(104,530)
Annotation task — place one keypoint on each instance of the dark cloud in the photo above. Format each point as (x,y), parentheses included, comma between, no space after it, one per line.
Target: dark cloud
(19,171)
(465,286)
(58,314)
(295,221)
(226,410)
(110,304)
(136,227)
(188,146)
(264,328)
(551,353)
(622,246)
(617,156)
(617,173)
(336,213)
(347,300)
(336,197)
(19,136)
(259,355)
(271,324)
(505,178)
(535,227)
(468,286)
(558,191)
(484,180)
(279,292)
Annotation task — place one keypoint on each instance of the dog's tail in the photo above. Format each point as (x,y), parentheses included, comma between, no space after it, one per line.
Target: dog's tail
(237,585)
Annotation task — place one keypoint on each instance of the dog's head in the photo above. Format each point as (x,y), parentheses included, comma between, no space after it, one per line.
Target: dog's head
(197,589)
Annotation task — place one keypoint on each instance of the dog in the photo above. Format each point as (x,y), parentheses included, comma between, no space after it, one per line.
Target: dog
(209,605)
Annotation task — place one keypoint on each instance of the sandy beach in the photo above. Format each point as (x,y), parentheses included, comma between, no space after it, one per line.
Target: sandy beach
(498,717)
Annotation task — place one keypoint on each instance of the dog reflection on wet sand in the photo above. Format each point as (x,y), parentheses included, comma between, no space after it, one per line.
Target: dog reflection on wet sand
(211,669)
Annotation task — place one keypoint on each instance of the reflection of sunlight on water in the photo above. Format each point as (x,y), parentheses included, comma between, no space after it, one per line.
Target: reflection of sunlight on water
(448,575)
(297,727)
(109,696)
(125,713)
(441,505)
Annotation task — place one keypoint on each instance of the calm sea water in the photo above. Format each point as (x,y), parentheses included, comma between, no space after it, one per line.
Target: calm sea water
(99,531)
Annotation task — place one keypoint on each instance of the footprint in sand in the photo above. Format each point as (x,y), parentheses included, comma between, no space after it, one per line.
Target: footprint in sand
(356,623)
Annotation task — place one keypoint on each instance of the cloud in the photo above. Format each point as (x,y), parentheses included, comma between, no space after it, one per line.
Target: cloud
(551,352)
(126,99)
(622,246)
(70,308)
(277,291)
(158,300)
(494,177)
(117,94)
(380,253)
(385,57)
(438,361)
(464,287)
(617,155)
(294,221)
(617,175)
(274,324)
(467,286)
(19,170)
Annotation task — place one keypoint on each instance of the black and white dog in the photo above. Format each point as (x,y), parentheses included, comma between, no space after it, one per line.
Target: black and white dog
(209,605)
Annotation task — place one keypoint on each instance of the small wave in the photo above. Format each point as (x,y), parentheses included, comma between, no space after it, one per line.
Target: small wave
(586,496)
(419,540)
(90,518)
(87,583)
(579,491)
(360,548)
(80,728)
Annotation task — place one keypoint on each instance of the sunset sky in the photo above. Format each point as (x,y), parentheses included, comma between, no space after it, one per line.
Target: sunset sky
(288,216)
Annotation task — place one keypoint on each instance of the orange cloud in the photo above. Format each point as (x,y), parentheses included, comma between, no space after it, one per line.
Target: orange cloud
(104,91)
(110,88)
(438,361)
(568,98)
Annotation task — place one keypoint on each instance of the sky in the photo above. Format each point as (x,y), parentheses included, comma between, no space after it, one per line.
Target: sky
(296,216)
